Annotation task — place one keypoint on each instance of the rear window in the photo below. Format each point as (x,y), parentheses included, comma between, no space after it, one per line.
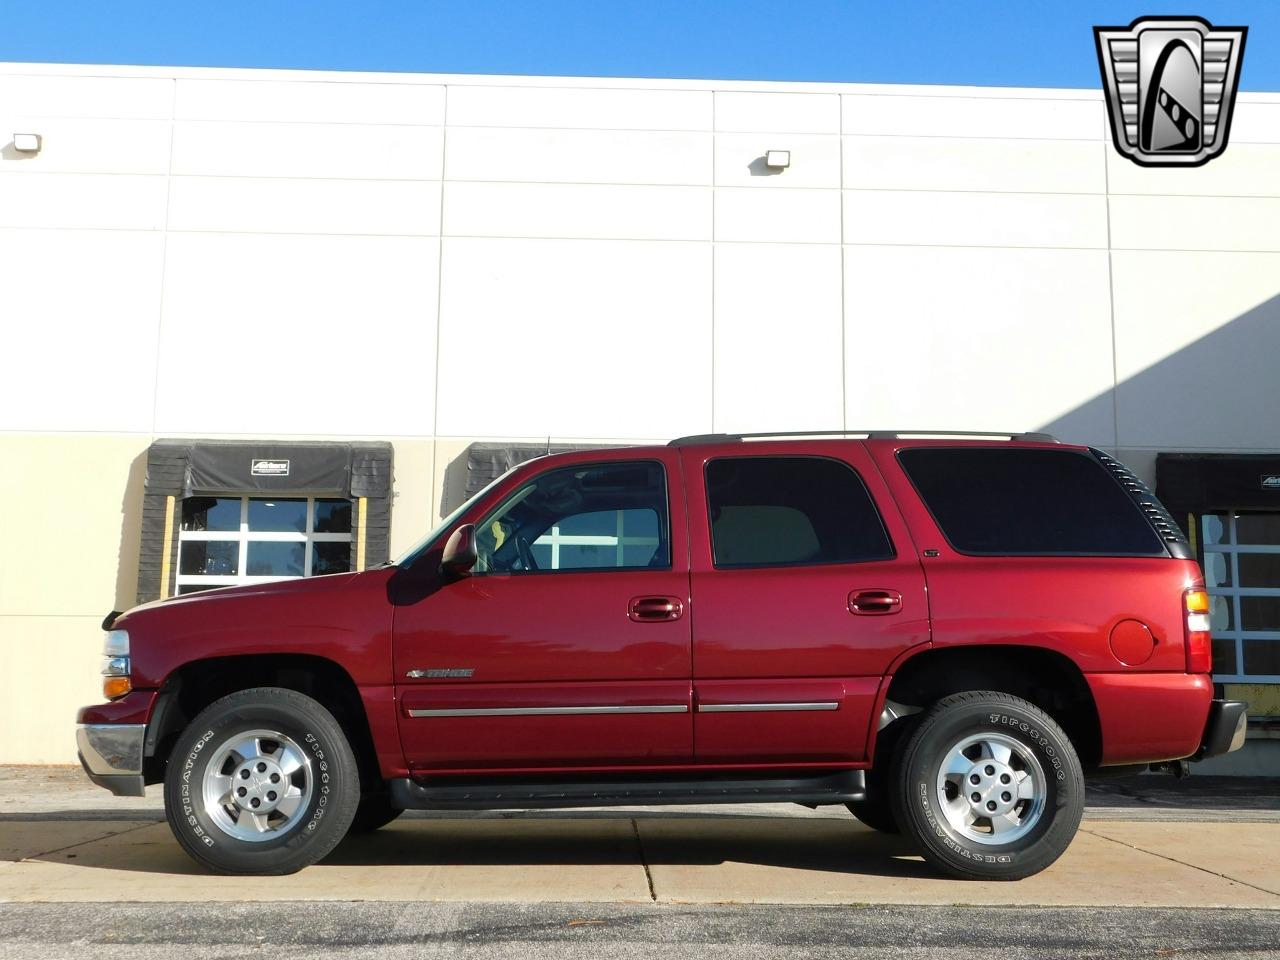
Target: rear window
(782,511)
(1028,502)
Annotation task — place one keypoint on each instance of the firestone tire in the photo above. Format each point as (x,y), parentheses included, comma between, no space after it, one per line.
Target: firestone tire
(989,786)
(374,812)
(263,781)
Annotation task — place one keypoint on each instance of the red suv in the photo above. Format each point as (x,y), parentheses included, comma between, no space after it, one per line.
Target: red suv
(941,631)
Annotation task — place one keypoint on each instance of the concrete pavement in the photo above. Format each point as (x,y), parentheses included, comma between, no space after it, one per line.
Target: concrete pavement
(62,840)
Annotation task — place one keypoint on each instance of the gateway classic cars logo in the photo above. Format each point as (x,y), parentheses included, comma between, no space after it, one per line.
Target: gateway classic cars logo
(1170,85)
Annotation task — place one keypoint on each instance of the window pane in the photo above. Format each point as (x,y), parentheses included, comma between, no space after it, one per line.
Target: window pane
(1213,528)
(275,559)
(211,513)
(529,531)
(333,516)
(1259,569)
(1260,613)
(1224,657)
(1258,528)
(1029,502)
(1220,613)
(775,511)
(1217,570)
(209,557)
(1262,657)
(330,557)
(271,515)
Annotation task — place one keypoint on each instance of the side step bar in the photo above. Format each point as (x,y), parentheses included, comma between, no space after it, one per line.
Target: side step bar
(841,787)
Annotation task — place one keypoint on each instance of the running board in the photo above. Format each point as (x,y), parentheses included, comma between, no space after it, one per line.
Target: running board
(844,786)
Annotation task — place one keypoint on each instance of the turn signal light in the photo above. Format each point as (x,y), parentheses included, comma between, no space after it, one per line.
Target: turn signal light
(1199,639)
(113,687)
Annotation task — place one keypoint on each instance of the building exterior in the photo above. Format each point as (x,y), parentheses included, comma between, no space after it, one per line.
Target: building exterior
(267,323)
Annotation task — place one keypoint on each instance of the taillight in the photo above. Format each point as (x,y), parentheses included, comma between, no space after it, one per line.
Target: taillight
(1199,639)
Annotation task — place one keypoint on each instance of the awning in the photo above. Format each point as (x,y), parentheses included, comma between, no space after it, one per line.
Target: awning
(1200,482)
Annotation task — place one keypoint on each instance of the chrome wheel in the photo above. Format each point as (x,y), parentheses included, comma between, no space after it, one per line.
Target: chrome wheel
(991,788)
(258,785)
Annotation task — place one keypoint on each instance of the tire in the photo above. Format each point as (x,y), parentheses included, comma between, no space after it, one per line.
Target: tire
(375,811)
(1000,740)
(242,750)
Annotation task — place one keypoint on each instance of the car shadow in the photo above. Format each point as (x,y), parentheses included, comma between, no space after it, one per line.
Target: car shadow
(829,845)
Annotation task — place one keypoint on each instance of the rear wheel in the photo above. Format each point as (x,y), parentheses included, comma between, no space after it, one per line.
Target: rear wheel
(989,786)
(263,781)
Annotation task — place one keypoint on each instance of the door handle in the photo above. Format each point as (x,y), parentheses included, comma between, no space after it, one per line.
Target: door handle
(875,603)
(654,609)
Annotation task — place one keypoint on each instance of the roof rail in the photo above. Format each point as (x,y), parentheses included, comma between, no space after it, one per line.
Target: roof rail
(860,434)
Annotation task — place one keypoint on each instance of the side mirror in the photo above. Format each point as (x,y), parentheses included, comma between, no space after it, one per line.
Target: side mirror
(460,552)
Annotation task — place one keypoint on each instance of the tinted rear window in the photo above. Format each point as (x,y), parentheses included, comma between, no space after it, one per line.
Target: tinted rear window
(781,511)
(1025,501)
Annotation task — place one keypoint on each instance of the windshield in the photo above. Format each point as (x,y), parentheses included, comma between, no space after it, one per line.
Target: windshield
(426,542)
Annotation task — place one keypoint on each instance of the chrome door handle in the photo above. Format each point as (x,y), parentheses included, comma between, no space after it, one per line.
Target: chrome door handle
(875,603)
(654,609)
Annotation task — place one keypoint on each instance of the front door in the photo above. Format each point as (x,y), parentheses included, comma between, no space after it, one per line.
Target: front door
(569,645)
(806,587)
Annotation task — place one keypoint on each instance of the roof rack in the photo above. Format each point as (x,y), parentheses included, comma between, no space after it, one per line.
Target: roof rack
(861,434)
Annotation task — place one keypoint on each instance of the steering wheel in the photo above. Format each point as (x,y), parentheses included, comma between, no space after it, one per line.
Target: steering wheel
(526,553)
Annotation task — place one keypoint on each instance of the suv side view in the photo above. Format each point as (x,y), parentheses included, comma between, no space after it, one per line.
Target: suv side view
(942,631)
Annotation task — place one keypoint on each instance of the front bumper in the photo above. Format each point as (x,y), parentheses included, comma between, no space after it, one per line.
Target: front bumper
(111,754)
(1225,729)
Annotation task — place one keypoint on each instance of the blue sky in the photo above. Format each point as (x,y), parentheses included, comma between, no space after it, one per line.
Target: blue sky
(1028,43)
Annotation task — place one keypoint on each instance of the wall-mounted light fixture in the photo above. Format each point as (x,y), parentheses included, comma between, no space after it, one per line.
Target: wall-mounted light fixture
(27,142)
(777,159)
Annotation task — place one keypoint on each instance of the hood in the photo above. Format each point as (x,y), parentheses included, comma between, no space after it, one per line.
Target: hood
(219,595)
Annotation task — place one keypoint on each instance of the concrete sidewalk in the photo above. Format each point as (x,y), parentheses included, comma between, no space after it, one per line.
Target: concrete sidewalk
(1157,844)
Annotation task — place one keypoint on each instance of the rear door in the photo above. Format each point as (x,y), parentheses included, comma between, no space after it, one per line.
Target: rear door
(806,588)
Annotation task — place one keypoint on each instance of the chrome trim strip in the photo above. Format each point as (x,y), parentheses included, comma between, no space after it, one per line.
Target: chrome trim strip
(767,707)
(547,711)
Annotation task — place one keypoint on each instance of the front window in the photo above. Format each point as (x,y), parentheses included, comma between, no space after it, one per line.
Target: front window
(599,517)
(227,541)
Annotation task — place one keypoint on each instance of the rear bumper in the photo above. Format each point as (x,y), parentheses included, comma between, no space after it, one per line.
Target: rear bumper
(1225,729)
(111,754)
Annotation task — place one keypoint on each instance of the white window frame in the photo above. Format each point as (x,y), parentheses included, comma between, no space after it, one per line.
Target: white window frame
(243,536)
(1231,550)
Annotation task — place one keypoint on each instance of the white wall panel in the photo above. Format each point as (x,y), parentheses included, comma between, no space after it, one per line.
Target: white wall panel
(1255,121)
(1196,223)
(777,337)
(575,338)
(971,339)
(975,116)
(578,156)
(777,112)
(237,204)
(778,216)
(306,150)
(85,200)
(961,163)
(576,210)
(975,219)
(86,146)
(80,316)
(298,335)
(310,101)
(1245,170)
(815,160)
(581,107)
(1197,340)
(135,98)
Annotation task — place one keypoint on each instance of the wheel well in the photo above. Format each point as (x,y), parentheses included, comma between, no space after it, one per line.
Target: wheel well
(1047,679)
(195,685)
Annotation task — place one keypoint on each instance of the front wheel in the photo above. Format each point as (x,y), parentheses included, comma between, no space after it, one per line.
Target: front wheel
(989,786)
(263,781)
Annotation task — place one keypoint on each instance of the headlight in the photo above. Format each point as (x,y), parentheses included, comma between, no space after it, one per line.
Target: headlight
(115,665)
